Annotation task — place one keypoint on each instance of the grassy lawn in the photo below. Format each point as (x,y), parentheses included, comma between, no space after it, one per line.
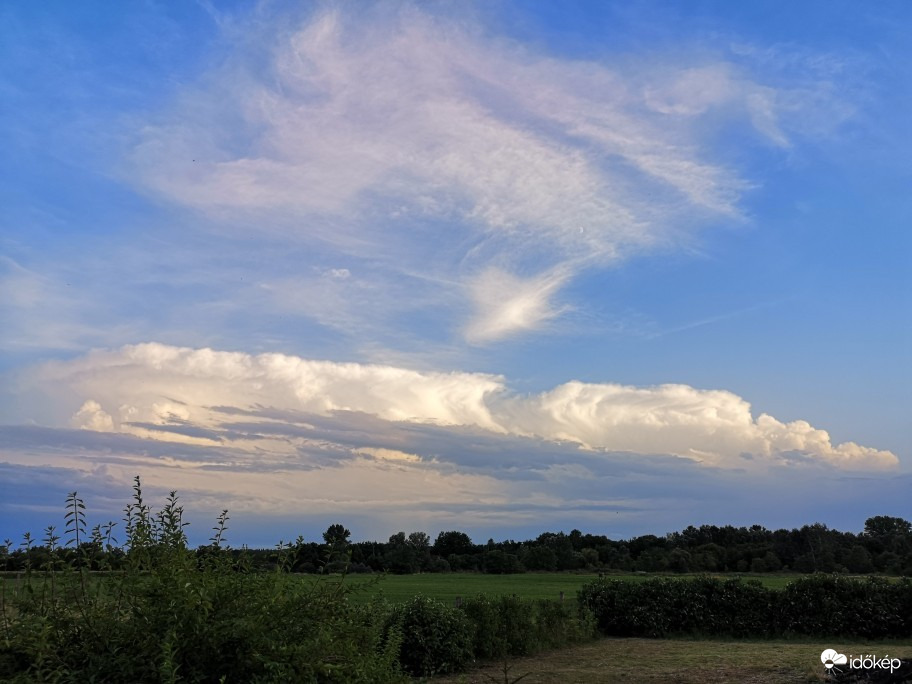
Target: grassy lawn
(447,586)
(681,661)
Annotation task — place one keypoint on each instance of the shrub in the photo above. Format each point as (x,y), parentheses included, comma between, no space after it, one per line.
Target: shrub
(664,606)
(818,606)
(434,638)
(171,614)
(509,626)
(830,605)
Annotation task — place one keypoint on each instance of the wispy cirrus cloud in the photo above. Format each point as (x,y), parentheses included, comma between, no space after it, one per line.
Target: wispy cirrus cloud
(437,152)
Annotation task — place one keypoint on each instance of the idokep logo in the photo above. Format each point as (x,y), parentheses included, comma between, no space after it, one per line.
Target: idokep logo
(831,658)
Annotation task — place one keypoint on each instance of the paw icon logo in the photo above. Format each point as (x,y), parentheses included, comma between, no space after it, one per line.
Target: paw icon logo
(830,658)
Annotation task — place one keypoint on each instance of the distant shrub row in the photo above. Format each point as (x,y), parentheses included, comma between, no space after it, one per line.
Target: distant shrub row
(818,606)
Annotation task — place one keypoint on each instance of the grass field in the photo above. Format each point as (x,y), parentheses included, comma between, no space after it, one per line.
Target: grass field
(681,661)
(447,586)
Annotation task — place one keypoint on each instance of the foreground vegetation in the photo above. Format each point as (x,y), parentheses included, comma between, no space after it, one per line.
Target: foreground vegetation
(153,610)
(169,614)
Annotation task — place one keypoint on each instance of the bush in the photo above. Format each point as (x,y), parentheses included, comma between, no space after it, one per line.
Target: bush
(509,626)
(663,606)
(434,638)
(171,614)
(817,606)
(830,605)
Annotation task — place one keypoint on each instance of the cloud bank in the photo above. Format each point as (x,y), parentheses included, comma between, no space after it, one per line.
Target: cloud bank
(289,441)
(158,385)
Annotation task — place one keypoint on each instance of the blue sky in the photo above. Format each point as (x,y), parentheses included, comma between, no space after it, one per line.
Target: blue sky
(501,267)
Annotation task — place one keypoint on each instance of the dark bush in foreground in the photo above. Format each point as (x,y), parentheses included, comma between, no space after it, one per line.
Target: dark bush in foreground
(819,606)
(872,608)
(170,615)
(434,638)
(664,606)
(511,626)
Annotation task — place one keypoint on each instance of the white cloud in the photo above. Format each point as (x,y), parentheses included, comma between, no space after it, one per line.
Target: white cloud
(505,304)
(160,382)
(158,385)
(422,144)
(711,426)
(90,416)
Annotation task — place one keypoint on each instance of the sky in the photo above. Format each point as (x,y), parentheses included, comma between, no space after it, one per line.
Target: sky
(500,267)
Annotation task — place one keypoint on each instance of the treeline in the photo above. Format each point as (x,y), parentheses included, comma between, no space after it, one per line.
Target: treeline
(885,546)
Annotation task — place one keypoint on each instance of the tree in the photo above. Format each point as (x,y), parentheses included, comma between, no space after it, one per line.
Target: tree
(419,541)
(539,558)
(590,557)
(859,560)
(654,559)
(420,544)
(336,538)
(679,560)
(453,542)
(885,533)
(400,557)
(884,525)
(496,562)
(336,535)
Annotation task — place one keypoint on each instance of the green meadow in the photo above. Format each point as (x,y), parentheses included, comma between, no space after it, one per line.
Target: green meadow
(448,586)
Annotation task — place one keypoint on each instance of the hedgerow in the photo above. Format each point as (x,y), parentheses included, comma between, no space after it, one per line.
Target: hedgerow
(818,606)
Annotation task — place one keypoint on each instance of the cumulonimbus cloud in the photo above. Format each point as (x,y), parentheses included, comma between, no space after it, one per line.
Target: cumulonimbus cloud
(153,384)
(439,151)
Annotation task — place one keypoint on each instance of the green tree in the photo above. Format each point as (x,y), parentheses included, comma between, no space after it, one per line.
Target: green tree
(496,562)
(400,557)
(679,560)
(336,538)
(885,533)
(590,557)
(859,560)
(420,544)
(336,535)
(539,558)
(453,542)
